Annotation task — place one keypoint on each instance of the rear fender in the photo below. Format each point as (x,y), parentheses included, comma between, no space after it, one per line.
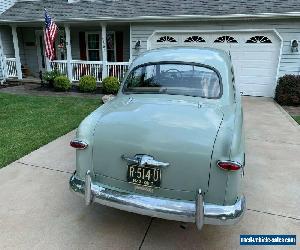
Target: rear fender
(224,186)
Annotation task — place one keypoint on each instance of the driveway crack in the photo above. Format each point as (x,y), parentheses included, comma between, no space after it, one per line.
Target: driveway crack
(146,233)
(52,169)
(273,214)
(273,141)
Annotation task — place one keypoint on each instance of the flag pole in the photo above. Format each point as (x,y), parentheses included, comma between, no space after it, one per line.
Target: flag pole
(50,33)
(47,62)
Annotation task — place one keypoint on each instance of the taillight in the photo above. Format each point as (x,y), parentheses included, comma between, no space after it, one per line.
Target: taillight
(229,165)
(78,144)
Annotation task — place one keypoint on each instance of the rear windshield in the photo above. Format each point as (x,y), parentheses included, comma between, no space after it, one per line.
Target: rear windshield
(173,79)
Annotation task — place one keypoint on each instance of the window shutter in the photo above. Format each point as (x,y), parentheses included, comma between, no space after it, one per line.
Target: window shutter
(119,46)
(82,46)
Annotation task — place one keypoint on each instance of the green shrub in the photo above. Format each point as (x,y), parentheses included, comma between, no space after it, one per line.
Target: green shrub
(288,90)
(49,76)
(87,84)
(62,83)
(111,85)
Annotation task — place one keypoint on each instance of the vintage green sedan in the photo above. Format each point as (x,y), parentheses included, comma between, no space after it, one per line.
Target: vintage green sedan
(171,144)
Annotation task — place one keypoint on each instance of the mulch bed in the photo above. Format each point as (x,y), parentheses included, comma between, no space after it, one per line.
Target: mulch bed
(37,89)
(5,85)
(74,89)
(292,110)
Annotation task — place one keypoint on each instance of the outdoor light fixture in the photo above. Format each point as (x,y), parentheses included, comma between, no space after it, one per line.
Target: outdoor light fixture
(137,44)
(294,45)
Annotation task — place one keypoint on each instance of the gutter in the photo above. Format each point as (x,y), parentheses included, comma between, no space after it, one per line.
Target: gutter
(167,18)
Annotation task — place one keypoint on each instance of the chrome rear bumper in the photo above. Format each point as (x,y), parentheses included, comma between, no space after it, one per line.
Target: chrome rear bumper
(197,211)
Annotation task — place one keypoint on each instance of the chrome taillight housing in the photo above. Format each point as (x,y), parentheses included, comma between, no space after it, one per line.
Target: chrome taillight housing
(78,144)
(229,165)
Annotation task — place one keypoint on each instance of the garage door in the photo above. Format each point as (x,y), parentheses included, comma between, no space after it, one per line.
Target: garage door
(254,55)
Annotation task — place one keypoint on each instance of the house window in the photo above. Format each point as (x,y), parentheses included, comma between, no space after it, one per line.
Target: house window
(259,39)
(194,39)
(225,39)
(93,46)
(111,46)
(164,39)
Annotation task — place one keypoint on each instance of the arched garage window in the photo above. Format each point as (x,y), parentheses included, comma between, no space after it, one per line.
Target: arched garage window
(169,39)
(194,39)
(225,39)
(259,39)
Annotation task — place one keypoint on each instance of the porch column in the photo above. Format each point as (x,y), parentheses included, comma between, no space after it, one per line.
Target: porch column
(69,51)
(130,43)
(2,59)
(104,50)
(17,51)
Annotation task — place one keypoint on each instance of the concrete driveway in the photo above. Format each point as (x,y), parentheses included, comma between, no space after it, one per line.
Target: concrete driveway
(38,211)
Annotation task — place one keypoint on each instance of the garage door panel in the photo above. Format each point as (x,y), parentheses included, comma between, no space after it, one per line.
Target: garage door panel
(263,80)
(255,64)
(254,56)
(252,64)
(255,73)
(254,48)
(257,90)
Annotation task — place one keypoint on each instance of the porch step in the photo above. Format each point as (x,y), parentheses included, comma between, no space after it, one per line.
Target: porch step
(24,80)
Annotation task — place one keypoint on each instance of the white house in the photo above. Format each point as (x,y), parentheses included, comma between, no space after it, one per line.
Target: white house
(4,5)
(101,37)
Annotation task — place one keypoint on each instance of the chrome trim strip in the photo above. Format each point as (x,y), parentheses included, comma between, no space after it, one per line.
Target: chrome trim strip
(197,212)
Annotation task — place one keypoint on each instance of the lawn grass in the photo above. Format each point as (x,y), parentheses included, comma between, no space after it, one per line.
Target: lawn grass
(297,119)
(28,122)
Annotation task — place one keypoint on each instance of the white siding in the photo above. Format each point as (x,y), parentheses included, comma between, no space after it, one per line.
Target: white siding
(288,30)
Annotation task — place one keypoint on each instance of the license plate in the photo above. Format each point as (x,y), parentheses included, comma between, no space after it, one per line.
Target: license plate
(145,176)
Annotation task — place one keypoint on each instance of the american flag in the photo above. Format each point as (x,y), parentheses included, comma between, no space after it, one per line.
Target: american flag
(50,34)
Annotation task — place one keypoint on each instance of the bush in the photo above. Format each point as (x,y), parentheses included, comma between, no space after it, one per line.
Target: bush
(49,76)
(111,85)
(62,83)
(288,90)
(87,84)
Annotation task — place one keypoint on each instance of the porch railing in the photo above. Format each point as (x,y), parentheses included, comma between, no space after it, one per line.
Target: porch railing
(94,68)
(80,68)
(117,69)
(59,65)
(10,67)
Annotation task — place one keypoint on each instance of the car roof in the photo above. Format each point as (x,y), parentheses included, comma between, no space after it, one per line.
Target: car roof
(215,58)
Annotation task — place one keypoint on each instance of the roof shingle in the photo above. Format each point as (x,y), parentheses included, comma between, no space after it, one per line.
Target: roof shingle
(61,10)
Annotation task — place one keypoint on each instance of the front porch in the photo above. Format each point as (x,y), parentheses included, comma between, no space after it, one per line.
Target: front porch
(98,69)
(81,49)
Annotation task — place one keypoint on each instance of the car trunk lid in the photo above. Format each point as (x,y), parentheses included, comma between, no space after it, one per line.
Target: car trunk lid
(179,133)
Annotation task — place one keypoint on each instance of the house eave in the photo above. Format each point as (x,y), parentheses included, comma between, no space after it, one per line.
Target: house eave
(163,18)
